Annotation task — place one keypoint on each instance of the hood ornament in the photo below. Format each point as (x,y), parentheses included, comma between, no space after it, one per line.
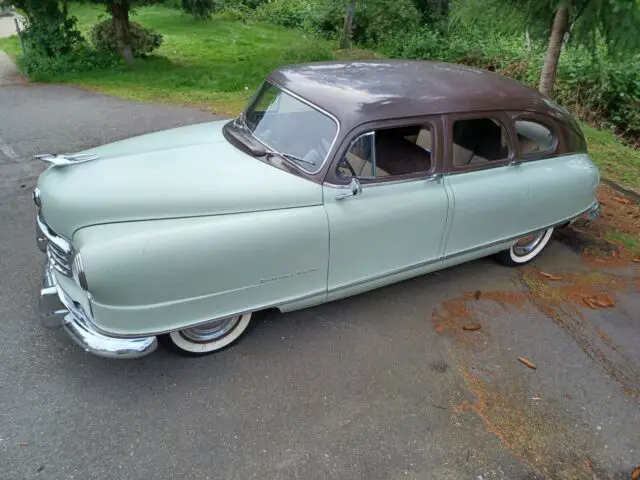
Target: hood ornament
(66,159)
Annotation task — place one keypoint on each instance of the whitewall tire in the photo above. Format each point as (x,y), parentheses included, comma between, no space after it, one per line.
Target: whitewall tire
(207,338)
(526,249)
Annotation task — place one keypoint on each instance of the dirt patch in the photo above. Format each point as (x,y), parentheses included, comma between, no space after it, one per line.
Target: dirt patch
(613,238)
(526,429)
(575,290)
(532,430)
(458,316)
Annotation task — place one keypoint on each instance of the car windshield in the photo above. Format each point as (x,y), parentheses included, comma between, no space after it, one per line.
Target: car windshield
(290,127)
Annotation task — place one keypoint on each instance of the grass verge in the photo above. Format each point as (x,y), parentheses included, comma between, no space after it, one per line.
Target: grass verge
(216,64)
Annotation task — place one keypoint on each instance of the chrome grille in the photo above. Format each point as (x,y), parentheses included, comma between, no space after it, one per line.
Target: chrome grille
(60,261)
(59,250)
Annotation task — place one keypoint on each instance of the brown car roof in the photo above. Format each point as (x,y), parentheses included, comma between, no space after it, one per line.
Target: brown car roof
(360,91)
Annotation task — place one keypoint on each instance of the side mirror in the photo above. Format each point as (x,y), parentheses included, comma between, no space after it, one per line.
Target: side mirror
(354,188)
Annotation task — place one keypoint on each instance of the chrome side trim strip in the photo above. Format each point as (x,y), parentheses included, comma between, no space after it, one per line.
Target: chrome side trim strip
(213,319)
(451,256)
(381,276)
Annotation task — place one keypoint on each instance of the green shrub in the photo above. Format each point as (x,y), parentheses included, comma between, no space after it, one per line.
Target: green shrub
(239,4)
(82,58)
(200,9)
(143,40)
(288,13)
(373,22)
(605,92)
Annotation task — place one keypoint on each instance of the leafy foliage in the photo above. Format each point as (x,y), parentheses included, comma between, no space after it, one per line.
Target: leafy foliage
(201,9)
(143,40)
(375,21)
(49,31)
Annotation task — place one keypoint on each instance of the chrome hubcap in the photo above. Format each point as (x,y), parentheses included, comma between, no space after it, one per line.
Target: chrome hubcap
(211,331)
(527,244)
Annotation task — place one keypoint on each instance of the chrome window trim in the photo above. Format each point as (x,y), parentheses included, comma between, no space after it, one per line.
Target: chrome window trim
(428,178)
(317,108)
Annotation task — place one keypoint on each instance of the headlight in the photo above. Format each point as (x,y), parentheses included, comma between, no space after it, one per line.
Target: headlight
(77,271)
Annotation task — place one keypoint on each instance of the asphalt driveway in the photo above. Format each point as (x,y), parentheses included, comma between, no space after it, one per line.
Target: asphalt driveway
(386,385)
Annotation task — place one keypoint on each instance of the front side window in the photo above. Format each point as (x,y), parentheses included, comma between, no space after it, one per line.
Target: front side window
(291,127)
(534,137)
(479,141)
(389,152)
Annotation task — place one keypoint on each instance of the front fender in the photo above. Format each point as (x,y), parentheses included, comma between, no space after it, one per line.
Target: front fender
(149,277)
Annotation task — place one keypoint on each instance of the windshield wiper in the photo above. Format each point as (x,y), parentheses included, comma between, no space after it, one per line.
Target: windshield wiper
(293,158)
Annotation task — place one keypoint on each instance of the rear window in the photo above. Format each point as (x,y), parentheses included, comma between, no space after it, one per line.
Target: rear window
(576,142)
(534,138)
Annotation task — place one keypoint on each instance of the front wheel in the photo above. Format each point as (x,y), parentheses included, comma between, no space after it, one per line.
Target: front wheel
(207,338)
(525,249)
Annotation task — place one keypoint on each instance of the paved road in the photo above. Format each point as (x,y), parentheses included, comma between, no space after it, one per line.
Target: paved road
(8,25)
(372,387)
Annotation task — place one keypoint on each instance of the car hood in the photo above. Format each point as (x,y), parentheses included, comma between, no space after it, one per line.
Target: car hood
(181,172)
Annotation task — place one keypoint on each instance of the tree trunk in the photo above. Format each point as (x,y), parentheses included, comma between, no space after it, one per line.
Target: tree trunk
(548,76)
(348,25)
(120,14)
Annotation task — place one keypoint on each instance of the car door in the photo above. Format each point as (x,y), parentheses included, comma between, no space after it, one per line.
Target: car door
(488,189)
(388,224)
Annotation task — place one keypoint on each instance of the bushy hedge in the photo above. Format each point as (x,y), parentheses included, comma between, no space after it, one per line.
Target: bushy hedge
(143,40)
(375,21)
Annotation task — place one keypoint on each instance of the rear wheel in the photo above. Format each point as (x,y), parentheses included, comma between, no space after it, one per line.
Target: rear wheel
(526,248)
(207,338)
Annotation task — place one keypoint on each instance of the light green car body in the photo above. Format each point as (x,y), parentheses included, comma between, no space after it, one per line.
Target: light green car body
(176,230)
(179,227)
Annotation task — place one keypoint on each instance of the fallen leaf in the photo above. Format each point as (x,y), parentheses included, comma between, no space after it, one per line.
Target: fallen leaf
(472,327)
(636,260)
(606,301)
(624,201)
(590,301)
(22,443)
(527,362)
(550,276)
(477,294)
(635,475)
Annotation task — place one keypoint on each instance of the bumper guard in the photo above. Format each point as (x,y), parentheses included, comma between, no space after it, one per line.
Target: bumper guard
(58,310)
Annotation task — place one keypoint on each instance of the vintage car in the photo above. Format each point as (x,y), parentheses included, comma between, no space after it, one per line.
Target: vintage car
(338,178)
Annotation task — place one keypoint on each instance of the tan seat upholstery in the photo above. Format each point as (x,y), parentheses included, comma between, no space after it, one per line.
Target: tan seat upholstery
(364,168)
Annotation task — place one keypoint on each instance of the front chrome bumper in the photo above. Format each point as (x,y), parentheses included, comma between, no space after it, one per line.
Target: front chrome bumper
(58,310)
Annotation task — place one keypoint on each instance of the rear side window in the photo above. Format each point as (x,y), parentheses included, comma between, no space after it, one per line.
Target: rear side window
(479,141)
(534,138)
